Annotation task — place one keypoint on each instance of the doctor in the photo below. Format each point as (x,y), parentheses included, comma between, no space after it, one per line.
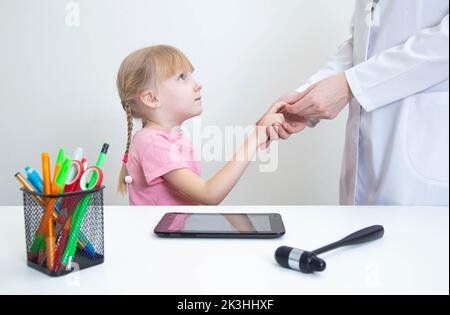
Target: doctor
(394,73)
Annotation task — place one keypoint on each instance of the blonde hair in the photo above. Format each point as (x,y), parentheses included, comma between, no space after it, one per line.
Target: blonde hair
(143,69)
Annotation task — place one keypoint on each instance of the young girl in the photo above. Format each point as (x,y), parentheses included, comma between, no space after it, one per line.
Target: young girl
(156,85)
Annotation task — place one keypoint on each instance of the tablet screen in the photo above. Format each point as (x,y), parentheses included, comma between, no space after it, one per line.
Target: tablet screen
(245,223)
(216,223)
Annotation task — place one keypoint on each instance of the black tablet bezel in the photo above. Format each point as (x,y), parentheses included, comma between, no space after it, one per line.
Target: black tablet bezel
(276,223)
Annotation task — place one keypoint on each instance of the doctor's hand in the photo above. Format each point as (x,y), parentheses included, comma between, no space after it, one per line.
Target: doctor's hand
(292,123)
(323,100)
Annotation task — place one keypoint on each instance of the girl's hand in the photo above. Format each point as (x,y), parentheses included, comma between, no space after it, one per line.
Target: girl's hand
(267,126)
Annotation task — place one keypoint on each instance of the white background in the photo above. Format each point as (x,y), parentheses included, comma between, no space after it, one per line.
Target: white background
(57,82)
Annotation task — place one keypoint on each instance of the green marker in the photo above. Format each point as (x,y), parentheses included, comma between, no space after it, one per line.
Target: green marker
(62,175)
(80,211)
(38,240)
(60,158)
(58,165)
(93,180)
(99,164)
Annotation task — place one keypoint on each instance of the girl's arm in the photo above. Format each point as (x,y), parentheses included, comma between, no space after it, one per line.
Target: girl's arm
(214,190)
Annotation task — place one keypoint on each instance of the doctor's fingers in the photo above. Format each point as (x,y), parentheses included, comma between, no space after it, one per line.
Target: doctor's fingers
(278,118)
(271,119)
(273,110)
(267,144)
(273,134)
(276,107)
(294,127)
(292,97)
(304,100)
(300,106)
(282,133)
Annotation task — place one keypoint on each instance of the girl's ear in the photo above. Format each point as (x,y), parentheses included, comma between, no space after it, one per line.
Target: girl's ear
(148,98)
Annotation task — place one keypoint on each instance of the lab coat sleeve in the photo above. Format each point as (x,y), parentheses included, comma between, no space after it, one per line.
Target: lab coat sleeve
(421,62)
(338,63)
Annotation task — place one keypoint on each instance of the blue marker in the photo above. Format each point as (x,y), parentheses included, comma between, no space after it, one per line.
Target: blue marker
(34,178)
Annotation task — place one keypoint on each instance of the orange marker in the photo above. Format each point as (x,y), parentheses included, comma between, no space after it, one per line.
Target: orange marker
(46,173)
(39,240)
(47,191)
(50,246)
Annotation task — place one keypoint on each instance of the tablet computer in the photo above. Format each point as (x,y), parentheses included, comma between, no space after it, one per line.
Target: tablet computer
(220,225)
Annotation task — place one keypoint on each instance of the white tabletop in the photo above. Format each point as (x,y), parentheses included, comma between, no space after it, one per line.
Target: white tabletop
(412,258)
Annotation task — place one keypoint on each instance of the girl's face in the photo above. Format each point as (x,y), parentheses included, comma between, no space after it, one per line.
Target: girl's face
(180,97)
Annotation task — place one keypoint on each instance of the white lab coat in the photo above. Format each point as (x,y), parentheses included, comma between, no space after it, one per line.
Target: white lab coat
(397,140)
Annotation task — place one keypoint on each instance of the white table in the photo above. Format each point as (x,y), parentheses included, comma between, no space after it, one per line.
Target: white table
(412,258)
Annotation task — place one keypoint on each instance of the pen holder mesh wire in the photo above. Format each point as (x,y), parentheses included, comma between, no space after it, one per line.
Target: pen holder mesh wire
(73,239)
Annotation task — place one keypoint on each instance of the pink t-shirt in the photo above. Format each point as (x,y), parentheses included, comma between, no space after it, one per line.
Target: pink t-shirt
(154,153)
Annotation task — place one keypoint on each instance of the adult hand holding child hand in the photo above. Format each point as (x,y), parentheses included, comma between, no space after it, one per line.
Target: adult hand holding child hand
(289,124)
(267,126)
(323,100)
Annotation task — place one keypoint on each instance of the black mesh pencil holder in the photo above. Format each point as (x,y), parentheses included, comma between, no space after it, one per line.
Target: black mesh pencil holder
(65,232)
